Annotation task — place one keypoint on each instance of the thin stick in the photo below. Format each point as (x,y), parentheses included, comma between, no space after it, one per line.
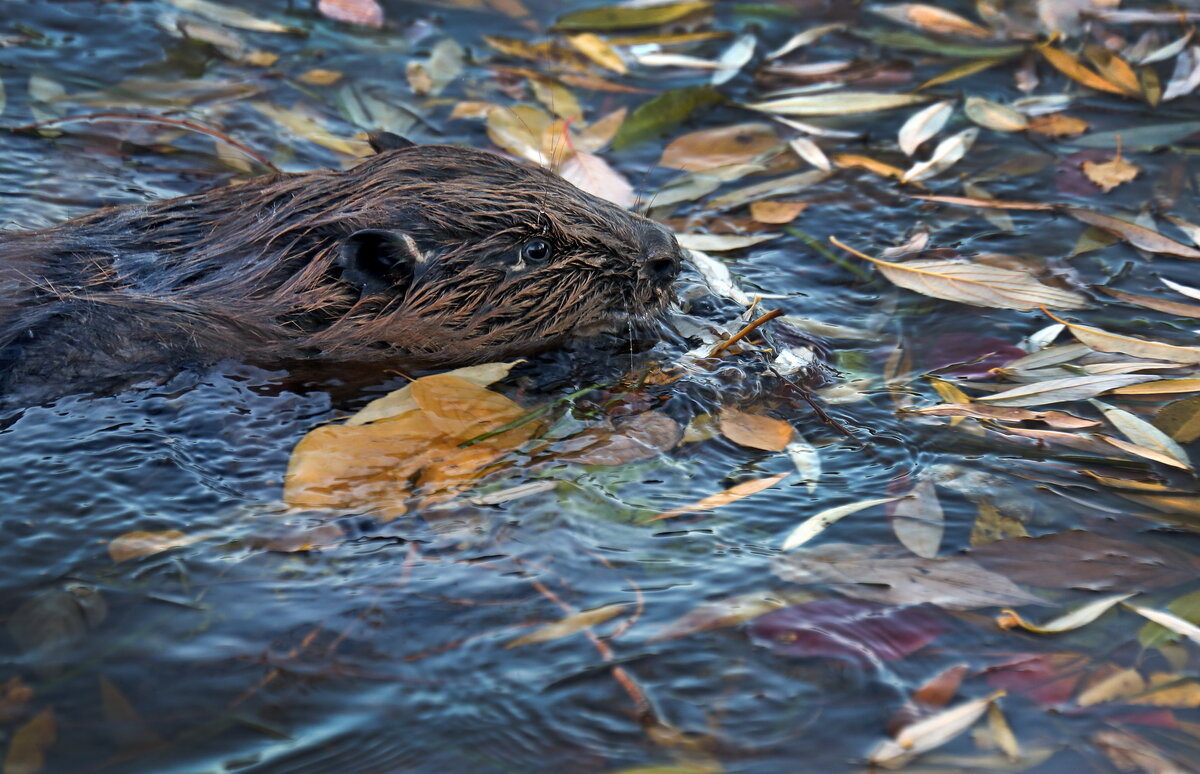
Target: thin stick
(735,338)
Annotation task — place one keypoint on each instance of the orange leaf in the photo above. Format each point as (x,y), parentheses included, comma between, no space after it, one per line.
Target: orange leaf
(1071,67)
(730,495)
(755,430)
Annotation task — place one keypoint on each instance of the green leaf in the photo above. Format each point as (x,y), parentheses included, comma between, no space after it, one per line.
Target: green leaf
(1186,607)
(912,41)
(612,17)
(663,113)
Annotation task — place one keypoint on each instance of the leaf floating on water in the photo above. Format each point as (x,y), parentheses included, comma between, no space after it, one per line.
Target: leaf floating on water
(811,152)
(801,39)
(719,147)
(1068,65)
(1110,174)
(140,543)
(717,243)
(755,430)
(1081,616)
(229,16)
(662,113)
(923,125)
(366,13)
(918,521)
(807,460)
(1069,388)
(993,115)
(841,103)
(892,575)
(1056,419)
(26,752)
(1169,621)
(855,631)
(591,173)
(932,19)
(815,525)
(1186,77)
(1144,434)
(734,59)
(1181,419)
(617,17)
(852,161)
(930,733)
(975,284)
(599,51)
(776,213)
(947,153)
(569,625)
(302,124)
(1138,236)
(730,495)
(1057,125)
(1103,341)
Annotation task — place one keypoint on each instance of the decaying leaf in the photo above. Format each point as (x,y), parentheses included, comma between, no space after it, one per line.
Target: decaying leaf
(918,521)
(26,752)
(569,625)
(1110,174)
(755,430)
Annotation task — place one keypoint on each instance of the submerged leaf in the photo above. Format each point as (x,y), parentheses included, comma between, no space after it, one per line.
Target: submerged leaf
(1081,616)
(815,525)
(923,125)
(856,631)
(730,495)
(838,103)
(930,733)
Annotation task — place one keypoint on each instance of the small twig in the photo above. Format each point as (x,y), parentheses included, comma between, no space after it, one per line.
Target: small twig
(148,119)
(771,315)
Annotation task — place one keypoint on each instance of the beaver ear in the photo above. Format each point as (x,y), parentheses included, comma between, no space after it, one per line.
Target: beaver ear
(378,261)
(386,141)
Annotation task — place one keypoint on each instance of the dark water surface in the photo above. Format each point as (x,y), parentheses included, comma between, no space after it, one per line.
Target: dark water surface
(389,649)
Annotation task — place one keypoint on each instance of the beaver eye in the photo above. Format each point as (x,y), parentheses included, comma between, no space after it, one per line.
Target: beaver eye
(537,250)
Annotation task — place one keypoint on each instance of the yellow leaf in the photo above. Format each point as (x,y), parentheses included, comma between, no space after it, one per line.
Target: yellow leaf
(1110,174)
(319,77)
(306,126)
(849,160)
(599,51)
(755,430)
(730,495)
(569,625)
(1103,341)
(775,212)
(1057,125)
(1071,67)
(139,543)
(1117,686)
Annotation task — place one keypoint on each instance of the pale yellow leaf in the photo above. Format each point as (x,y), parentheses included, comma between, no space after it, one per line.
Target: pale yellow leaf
(815,525)
(730,495)
(569,625)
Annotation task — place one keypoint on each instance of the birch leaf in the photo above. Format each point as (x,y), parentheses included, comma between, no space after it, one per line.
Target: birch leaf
(1081,616)
(1062,390)
(930,733)
(841,103)
(947,153)
(815,525)
(923,125)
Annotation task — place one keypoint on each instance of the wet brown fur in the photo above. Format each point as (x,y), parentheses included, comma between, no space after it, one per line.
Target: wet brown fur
(252,271)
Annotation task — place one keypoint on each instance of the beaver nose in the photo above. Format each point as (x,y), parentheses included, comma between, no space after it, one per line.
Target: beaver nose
(661,266)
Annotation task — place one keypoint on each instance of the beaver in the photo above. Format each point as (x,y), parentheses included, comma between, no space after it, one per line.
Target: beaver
(429,255)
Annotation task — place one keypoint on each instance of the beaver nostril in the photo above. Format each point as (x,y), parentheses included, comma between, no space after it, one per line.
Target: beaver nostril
(662,269)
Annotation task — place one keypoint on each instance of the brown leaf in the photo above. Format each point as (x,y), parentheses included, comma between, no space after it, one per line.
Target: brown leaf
(628,439)
(591,173)
(755,430)
(932,19)
(719,147)
(1056,419)
(1057,125)
(1138,236)
(776,212)
(1084,560)
(569,625)
(140,543)
(1068,65)
(27,751)
(1111,173)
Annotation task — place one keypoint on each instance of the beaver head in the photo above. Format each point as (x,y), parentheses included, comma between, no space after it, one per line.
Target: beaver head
(434,255)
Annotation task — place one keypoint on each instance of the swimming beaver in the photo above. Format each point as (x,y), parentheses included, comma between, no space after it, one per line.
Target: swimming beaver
(428,254)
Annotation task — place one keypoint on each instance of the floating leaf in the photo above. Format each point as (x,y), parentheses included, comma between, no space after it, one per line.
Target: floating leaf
(663,113)
(1186,77)
(304,125)
(719,147)
(140,543)
(1110,174)
(755,430)
(801,39)
(947,153)
(599,51)
(1074,69)
(1181,419)
(1056,419)
(1144,434)
(616,17)
(775,213)
(730,495)
(815,525)
(923,125)
(715,243)
(838,103)
(1081,616)
(572,624)
(810,152)
(852,630)
(367,13)
(975,284)
(593,174)
(1069,388)
(918,521)
(995,116)
(932,19)
(1172,622)
(851,161)
(892,575)
(1057,125)
(1103,341)
(930,733)
(229,16)
(734,59)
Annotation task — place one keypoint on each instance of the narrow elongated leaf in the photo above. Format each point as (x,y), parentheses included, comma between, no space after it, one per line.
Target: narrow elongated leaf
(1138,236)
(569,625)
(815,525)
(734,59)
(1143,433)
(923,125)
(932,19)
(842,103)
(947,153)
(930,733)
(620,17)
(995,116)
(1081,616)
(1071,67)
(1153,302)
(918,521)
(1104,341)
(1172,622)
(1061,390)
(716,243)
(801,39)
(977,284)
(663,113)
(730,495)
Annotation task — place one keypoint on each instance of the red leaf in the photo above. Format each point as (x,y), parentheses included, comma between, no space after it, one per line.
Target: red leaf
(846,629)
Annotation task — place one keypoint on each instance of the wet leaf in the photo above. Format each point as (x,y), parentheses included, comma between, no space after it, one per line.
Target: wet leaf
(716,243)
(615,17)
(640,436)
(1119,685)
(815,525)
(1002,733)
(1081,616)
(1110,174)
(663,113)
(229,16)
(807,460)
(930,733)
(811,152)
(891,575)
(755,430)
(1057,125)
(599,51)
(947,153)
(719,147)
(320,77)
(993,115)
(1144,434)
(1068,65)
(734,59)
(1186,77)
(1180,420)
(1138,236)
(591,173)
(1055,419)
(1084,560)
(302,124)
(961,71)
(775,213)
(976,284)
(1169,621)
(728,612)
(401,401)
(132,733)
(801,39)
(1103,341)
(1069,388)
(367,13)
(932,19)
(918,521)
(730,495)
(992,525)
(140,543)
(923,125)
(851,630)
(852,161)
(840,103)
(572,624)
(782,186)
(26,752)
(1114,69)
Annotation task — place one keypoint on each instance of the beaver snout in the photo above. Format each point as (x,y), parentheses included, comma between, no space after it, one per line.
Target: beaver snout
(662,266)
